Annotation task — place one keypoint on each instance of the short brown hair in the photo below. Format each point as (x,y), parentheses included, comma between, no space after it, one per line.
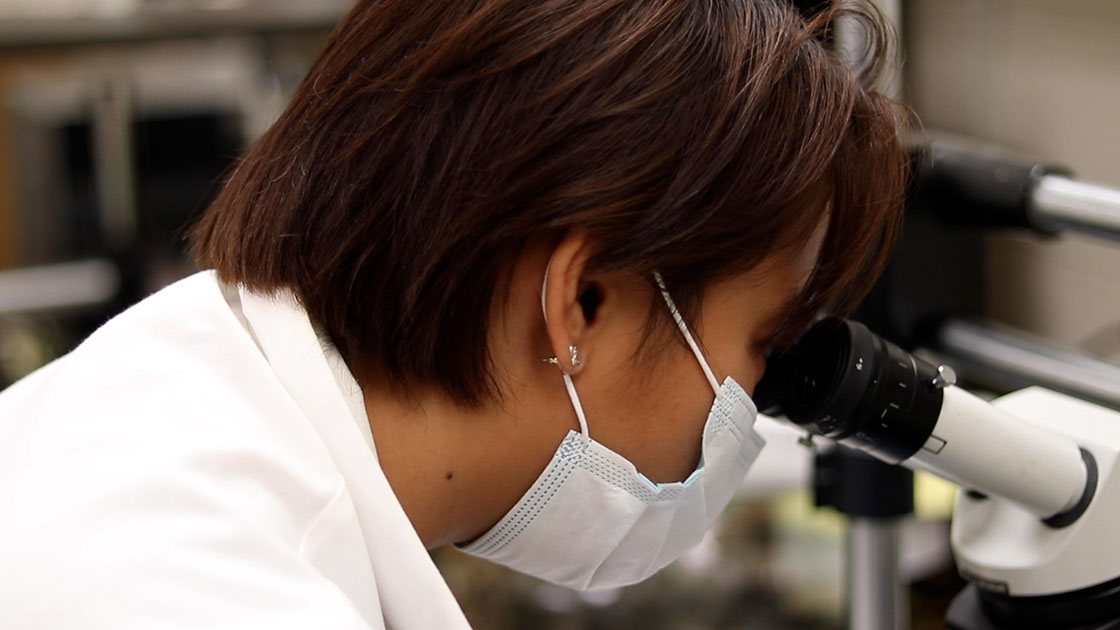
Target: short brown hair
(433,140)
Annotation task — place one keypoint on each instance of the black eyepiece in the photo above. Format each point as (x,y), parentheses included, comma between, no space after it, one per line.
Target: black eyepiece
(844,382)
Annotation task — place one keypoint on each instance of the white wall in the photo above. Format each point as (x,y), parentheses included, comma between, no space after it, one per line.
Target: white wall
(1041,77)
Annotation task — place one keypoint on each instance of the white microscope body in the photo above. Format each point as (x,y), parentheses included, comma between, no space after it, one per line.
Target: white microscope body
(1037,529)
(1005,547)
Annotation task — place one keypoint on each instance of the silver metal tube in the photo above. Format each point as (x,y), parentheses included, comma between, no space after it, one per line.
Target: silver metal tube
(146,25)
(58,287)
(1024,361)
(1062,203)
(115,164)
(876,598)
(850,41)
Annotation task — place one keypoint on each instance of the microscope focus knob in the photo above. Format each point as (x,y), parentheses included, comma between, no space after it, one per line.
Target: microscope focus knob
(946,376)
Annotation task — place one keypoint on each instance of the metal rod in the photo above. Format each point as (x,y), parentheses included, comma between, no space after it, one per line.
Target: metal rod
(850,41)
(115,164)
(1063,203)
(876,600)
(58,287)
(1016,360)
(145,25)
(875,595)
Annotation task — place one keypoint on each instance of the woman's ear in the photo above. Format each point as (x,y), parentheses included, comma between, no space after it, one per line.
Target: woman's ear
(568,300)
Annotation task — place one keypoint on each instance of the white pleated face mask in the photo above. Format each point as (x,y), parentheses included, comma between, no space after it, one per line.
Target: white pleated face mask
(591,520)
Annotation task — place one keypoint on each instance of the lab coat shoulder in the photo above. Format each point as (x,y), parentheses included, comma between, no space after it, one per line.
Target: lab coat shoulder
(160,476)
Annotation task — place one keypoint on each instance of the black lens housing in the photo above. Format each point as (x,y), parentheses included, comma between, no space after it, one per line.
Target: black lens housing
(846,383)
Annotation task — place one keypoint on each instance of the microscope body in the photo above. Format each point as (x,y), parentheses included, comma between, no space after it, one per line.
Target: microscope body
(1011,549)
(1037,529)
(1026,573)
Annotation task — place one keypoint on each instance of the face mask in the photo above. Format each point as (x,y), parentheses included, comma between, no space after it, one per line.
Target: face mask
(591,520)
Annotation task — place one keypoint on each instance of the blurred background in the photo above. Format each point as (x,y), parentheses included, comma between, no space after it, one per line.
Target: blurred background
(118,119)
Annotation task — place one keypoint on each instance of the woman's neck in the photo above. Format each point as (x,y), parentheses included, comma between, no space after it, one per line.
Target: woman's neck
(457,471)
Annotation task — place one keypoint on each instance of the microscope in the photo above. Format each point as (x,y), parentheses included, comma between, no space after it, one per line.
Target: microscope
(1036,528)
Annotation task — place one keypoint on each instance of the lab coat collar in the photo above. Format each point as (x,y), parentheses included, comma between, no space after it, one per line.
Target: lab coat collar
(413,594)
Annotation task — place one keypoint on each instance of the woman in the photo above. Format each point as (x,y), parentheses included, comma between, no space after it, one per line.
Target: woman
(503,275)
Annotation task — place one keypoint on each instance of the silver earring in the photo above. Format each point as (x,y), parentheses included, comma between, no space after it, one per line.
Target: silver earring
(576,360)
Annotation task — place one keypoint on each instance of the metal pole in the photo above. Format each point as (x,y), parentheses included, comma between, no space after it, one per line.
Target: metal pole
(875,594)
(65,286)
(1063,203)
(850,42)
(1015,360)
(876,600)
(114,165)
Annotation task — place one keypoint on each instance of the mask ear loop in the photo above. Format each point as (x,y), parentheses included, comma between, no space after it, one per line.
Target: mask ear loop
(568,384)
(684,330)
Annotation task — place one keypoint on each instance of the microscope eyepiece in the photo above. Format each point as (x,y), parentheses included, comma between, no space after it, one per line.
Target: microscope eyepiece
(848,384)
(844,382)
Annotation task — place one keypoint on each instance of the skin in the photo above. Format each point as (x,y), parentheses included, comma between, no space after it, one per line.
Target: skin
(457,471)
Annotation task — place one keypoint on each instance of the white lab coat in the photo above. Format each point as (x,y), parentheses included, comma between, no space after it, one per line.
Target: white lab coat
(204,461)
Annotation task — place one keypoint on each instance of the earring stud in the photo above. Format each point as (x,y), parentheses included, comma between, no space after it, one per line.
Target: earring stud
(576,360)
